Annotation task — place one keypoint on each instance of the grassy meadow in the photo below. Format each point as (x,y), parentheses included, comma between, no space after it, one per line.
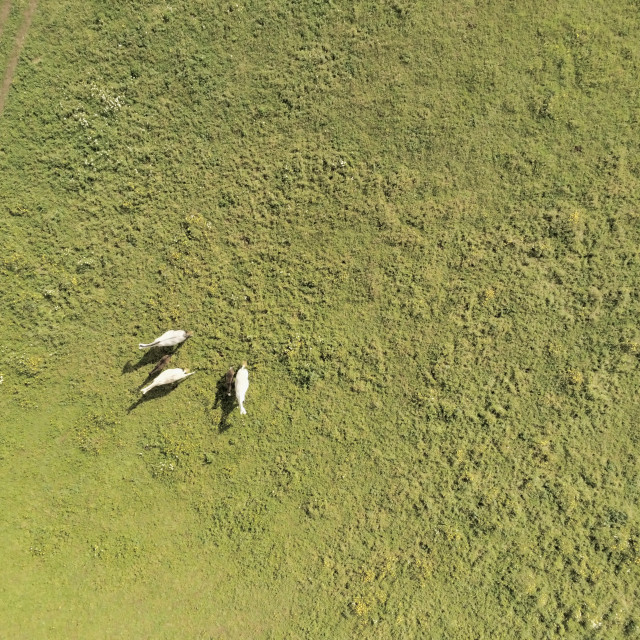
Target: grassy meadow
(419,223)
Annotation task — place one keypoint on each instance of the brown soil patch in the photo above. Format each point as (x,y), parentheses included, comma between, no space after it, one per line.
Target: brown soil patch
(17,47)
(4,14)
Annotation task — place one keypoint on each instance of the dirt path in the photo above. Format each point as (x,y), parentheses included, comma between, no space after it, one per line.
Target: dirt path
(4,14)
(17,47)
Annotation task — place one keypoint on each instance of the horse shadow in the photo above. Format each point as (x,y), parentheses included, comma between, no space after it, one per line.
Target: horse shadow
(153,394)
(152,356)
(225,402)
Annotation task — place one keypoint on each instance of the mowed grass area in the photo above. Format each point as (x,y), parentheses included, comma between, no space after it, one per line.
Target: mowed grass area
(419,223)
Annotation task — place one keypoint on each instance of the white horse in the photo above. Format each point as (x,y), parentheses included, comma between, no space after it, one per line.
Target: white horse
(168,377)
(242,384)
(168,339)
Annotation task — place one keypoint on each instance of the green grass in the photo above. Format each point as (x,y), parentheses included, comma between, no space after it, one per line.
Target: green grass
(419,224)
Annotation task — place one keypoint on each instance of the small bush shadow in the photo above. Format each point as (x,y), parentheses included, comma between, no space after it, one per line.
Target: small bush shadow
(225,402)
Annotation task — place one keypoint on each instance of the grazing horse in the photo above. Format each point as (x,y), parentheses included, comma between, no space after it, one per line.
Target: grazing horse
(170,376)
(168,339)
(242,384)
(229,379)
(161,365)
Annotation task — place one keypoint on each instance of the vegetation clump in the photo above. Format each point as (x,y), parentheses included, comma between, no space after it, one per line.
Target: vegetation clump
(417,223)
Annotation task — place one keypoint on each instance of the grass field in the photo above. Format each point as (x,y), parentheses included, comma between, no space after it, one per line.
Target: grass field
(419,222)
